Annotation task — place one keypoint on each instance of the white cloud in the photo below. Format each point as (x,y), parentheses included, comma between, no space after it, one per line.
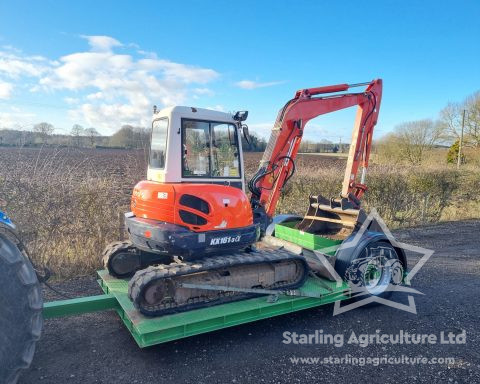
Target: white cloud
(71,100)
(107,89)
(88,69)
(14,65)
(176,71)
(124,89)
(203,91)
(250,84)
(17,119)
(5,90)
(102,43)
(95,96)
(104,115)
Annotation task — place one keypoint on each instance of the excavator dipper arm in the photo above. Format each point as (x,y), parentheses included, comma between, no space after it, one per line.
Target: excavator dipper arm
(278,162)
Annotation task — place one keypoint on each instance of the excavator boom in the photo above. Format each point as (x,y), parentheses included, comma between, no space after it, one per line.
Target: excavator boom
(278,162)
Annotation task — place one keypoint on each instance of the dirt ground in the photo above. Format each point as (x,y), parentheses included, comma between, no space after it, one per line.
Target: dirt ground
(96,348)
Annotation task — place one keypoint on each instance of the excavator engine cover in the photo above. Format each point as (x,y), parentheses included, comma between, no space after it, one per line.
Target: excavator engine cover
(190,220)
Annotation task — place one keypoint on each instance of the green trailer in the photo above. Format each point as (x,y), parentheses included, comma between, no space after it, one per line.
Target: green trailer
(148,331)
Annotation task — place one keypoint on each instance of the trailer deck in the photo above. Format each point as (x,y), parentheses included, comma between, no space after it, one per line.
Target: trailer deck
(149,331)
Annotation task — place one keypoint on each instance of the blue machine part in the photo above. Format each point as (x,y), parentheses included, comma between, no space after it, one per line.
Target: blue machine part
(4,219)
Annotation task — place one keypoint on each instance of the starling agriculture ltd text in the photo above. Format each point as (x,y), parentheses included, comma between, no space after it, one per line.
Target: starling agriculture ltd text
(366,339)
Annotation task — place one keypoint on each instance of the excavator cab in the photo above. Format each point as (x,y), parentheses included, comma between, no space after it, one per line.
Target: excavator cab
(209,143)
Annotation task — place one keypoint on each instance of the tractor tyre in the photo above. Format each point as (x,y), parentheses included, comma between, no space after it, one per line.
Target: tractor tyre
(21,317)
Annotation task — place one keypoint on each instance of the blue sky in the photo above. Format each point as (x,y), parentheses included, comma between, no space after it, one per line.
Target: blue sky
(105,63)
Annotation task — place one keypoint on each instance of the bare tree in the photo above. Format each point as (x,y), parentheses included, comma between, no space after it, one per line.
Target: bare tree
(472,119)
(44,129)
(92,133)
(387,149)
(451,120)
(414,138)
(76,132)
(124,137)
(141,137)
(131,137)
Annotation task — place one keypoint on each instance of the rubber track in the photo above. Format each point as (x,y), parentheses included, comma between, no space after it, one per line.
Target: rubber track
(145,276)
(113,248)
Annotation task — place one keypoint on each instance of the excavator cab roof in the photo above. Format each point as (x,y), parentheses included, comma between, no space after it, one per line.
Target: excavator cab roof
(194,113)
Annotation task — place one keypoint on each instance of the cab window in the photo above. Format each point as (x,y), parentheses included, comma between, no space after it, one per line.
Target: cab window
(210,150)
(159,143)
(196,148)
(224,151)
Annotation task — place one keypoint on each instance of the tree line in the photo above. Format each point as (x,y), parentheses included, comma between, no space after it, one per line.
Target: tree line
(411,141)
(323,146)
(128,137)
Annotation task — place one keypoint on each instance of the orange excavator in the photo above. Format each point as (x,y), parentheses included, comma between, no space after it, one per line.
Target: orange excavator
(192,226)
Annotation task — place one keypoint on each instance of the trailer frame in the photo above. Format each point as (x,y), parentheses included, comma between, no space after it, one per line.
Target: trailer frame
(152,331)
